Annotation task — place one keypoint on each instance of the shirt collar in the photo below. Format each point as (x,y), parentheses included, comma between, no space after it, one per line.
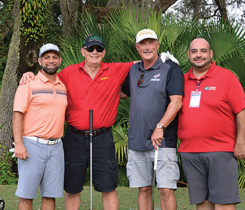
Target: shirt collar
(208,74)
(42,77)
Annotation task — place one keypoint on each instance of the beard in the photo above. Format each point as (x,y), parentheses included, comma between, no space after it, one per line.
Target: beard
(50,71)
(200,65)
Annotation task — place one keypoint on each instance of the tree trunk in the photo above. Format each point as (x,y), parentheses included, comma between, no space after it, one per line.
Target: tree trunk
(163,5)
(223,11)
(22,57)
(69,11)
(196,7)
(9,83)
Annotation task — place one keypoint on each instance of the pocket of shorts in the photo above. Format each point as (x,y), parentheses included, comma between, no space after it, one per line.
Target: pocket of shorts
(173,157)
(229,155)
(112,164)
(173,166)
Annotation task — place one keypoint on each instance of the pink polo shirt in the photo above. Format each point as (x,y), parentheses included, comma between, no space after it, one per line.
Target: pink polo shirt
(43,104)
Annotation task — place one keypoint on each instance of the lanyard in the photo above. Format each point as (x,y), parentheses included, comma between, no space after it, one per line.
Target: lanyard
(198,83)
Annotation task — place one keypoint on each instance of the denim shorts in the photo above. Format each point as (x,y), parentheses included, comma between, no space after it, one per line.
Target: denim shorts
(140,168)
(44,167)
(211,176)
(77,160)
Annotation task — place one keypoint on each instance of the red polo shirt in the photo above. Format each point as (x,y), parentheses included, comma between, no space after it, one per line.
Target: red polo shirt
(212,126)
(100,94)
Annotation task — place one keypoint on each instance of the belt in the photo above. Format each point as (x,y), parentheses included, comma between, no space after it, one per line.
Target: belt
(87,133)
(44,141)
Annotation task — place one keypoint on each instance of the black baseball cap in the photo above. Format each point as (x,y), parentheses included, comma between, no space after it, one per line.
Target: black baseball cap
(93,40)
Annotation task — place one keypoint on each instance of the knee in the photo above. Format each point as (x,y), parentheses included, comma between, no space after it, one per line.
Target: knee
(145,189)
(71,196)
(165,192)
(47,199)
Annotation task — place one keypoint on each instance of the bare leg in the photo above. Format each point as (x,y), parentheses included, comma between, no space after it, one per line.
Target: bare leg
(110,200)
(168,200)
(72,201)
(144,198)
(225,207)
(48,204)
(25,204)
(206,205)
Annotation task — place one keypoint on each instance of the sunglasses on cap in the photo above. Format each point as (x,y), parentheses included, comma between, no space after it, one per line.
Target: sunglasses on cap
(98,48)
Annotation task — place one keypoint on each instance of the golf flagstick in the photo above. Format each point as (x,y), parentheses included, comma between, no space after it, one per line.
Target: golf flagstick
(154,178)
(91,159)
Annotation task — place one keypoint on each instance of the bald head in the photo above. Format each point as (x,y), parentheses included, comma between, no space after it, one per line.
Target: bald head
(200,54)
(199,41)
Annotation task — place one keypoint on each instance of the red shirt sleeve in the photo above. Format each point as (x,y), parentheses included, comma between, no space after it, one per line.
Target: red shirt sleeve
(235,94)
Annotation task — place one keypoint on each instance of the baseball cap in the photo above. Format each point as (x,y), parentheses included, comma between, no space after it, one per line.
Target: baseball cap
(93,40)
(48,47)
(145,34)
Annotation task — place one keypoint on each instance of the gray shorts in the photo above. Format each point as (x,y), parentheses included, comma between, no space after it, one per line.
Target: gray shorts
(211,176)
(140,168)
(44,167)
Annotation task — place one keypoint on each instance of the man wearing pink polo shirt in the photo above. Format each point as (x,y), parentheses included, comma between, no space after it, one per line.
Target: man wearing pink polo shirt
(211,130)
(38,124)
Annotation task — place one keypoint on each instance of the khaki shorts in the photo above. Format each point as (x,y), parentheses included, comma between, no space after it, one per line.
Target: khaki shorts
(140,168)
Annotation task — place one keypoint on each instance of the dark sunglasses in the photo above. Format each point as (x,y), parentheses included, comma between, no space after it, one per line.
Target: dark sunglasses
(98,48)
(140,80)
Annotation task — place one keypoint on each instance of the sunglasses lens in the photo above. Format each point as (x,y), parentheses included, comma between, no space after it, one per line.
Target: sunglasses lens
(98,48)
(90,49)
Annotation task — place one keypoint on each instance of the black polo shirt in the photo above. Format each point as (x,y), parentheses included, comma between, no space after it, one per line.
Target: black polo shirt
(149,102)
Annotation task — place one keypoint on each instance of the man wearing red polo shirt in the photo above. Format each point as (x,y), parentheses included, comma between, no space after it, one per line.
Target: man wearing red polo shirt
(94,85)
(211,130)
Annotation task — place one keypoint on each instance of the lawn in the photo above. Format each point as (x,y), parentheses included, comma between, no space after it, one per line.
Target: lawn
(127,199)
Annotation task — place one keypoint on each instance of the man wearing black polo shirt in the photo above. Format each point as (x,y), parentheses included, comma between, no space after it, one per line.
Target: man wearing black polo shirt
(156,91)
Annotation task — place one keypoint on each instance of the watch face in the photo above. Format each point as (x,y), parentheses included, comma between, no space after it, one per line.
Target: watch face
(159,125)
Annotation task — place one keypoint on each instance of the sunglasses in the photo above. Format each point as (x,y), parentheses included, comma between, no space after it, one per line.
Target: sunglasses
(98,48)
(140,80)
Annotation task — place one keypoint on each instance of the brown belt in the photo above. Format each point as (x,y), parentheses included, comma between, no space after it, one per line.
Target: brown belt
(87,132)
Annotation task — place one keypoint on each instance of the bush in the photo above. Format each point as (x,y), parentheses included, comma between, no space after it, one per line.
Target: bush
(7,177)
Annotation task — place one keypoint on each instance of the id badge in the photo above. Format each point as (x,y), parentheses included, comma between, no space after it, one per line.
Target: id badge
(195,99)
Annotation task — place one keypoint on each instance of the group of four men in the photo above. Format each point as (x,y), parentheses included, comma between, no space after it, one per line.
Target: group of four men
(211,126)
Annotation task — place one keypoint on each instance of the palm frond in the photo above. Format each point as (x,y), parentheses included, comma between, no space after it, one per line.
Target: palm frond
(121,144)
(241,173)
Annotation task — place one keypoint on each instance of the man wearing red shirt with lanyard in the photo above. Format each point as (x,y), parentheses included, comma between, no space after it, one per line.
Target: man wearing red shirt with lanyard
(211,130)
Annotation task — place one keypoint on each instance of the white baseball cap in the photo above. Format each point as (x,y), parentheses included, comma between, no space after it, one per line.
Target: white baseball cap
(145,34)
(48,47)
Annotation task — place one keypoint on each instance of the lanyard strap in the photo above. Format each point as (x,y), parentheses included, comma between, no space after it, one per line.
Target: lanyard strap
(198,84)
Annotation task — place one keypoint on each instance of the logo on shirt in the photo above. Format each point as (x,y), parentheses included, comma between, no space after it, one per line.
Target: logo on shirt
(156,77)
(103,78)
(210,88)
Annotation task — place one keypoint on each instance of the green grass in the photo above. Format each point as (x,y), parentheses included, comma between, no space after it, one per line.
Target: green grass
(127,199)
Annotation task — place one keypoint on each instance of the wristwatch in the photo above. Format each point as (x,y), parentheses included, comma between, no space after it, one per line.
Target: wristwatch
(160,125)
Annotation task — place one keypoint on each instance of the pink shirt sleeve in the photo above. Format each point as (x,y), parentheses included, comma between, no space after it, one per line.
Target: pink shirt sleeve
(22,98)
